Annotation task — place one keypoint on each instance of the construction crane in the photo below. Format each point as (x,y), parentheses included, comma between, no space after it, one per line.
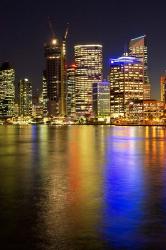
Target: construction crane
(66,32)
(51,27)
(64,40)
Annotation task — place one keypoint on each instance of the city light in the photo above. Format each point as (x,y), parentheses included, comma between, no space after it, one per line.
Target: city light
(54,41)
(77,94)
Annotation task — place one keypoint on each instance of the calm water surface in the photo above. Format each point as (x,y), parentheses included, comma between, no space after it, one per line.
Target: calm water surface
(82,188)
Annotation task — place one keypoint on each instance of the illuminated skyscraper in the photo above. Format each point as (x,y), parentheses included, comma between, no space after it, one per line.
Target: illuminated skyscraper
(126,78)
(71,73)
(89,69)
(44,94)
(101,99)
(163,88)
(7,90)
(25,97)
(138,48)
(55,75)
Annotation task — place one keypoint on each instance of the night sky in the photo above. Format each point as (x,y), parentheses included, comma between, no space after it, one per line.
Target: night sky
(24,29)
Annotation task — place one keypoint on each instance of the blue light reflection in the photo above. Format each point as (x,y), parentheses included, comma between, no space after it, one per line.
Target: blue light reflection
(123,190)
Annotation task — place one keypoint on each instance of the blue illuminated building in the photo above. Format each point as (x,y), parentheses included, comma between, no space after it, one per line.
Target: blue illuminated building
(124,60)
(126,78)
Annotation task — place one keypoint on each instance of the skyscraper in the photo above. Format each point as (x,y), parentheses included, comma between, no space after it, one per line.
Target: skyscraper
(7,90)
(163,88)
(71,73)
(44,94)
(101,99)
(55,74)
(89,69)
(25,97)
(126,78)
(138,48)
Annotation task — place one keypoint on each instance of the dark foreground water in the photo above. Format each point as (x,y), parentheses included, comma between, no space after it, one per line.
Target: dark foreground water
(82,188)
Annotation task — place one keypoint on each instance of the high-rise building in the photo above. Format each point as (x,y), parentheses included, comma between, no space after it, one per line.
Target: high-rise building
(25,97)
(89,69)
(55,75)
(7,90)
(126,78)
(138,48)
(37,105)
(101,99)
(44,95)
(71,73)
(163,88)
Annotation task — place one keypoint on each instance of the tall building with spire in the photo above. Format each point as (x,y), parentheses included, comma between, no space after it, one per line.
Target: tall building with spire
(138,48)
(7,90)
(89,69)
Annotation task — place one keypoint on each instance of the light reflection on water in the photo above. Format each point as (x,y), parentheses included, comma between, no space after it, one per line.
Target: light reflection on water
(82,187)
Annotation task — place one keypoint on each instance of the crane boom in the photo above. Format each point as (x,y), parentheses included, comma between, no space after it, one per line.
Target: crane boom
(51,27)
(66,31)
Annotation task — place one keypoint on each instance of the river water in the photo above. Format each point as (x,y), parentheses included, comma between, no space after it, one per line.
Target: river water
(82,187)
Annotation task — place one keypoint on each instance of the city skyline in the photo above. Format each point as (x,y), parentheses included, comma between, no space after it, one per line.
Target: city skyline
(25,30)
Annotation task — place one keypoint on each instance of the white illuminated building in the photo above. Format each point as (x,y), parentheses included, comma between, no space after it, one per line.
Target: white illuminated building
(25,97)
(7,90)
(89,69)
(127,84)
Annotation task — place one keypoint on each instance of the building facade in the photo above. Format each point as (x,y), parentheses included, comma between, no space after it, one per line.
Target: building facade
(25,97)
(138,48)
(126,78)
(163,88)
(44,95)
(101,99)
(71,102)
(89,69)
(146,111)
(7,90)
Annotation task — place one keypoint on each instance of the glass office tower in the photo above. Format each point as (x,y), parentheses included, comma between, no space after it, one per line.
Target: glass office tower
(101,99)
